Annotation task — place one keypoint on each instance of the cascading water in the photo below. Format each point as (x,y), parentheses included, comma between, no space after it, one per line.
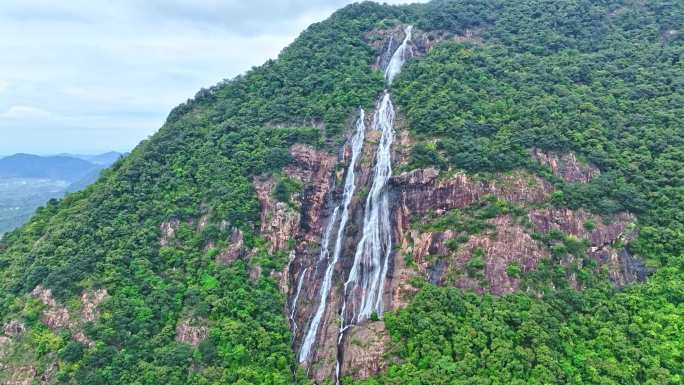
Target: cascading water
(365,285)
(367,275)
(371,260)
(400,56)
(343,207)
(293,307)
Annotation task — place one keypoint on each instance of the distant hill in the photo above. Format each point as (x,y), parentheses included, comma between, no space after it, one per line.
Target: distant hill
(105,159)
(29,181)
(45,167)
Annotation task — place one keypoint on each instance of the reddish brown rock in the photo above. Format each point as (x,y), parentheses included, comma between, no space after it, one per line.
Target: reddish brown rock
(566,166)
(365,348)
(22,375)
(234,250)
(57,317)
(279,222)
(315,170)
(423,190)
(584,225)
(511,244)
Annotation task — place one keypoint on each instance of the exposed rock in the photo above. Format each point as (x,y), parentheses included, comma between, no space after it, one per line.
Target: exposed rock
(54,316)
(234,250)
(566,166)
(192,331)
(14,328)
(90,301)
(279,222)
(254,272)
(22,375)
(511,244)
(623,268)
(324,360)
(5,345)
(57,317)
(46,377)
(314,169)
(168,231)
(472,36)
(203,222)
(584,225)
(421,190)
(386,41)
(365,347)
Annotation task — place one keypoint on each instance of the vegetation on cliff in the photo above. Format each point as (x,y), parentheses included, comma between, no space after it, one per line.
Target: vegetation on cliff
(601,78)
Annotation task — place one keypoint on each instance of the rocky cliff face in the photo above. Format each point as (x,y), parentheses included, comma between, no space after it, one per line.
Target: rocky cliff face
(510,241)
(491,260)
(59,319)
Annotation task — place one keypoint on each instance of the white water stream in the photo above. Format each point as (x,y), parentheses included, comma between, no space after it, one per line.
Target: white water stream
(349,189)
(365,285)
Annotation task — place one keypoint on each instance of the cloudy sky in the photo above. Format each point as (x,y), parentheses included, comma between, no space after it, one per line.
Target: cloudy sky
(90,76)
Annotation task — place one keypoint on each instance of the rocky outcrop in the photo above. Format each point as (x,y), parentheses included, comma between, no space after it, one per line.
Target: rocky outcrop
(168,230)
(192,331)
(422,190)
(507,243)
(386,40)
(235,249)
(566,166)
(365,349)
(314,169)
(23,375)
(5,345)
(57,317)
(14,328)
(279,222)
(90,302)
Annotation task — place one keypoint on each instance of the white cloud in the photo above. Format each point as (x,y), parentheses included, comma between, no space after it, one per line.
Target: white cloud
(24,112)
(109,72)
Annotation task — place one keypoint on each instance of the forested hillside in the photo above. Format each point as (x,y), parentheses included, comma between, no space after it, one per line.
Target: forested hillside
(167,270)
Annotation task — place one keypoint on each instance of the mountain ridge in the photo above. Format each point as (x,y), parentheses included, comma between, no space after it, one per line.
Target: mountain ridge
(533,206)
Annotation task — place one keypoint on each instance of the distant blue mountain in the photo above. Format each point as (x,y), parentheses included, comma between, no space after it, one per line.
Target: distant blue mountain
(45,167)
(28,181)
(106,159)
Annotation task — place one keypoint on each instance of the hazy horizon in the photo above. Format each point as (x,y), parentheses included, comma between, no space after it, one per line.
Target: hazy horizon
(93,77)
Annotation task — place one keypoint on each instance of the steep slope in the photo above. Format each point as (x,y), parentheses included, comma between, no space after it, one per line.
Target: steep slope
(491,196)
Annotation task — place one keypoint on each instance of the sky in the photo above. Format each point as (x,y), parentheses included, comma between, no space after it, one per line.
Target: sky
(90,76)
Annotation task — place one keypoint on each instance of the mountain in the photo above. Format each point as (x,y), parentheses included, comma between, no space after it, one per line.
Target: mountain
(104,159)
(456,192)
(29,181)
(44,167)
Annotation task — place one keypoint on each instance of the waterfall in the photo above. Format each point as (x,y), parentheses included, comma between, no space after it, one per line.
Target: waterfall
(367,275)
(295,300)
(343,207)
(365,285)
(371,260)
(363,289)
(402,53)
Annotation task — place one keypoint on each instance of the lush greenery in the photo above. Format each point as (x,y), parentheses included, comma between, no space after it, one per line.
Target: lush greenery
(199,165)
(601,78)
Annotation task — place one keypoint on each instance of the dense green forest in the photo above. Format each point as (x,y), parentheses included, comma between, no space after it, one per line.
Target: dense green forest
(604,79)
